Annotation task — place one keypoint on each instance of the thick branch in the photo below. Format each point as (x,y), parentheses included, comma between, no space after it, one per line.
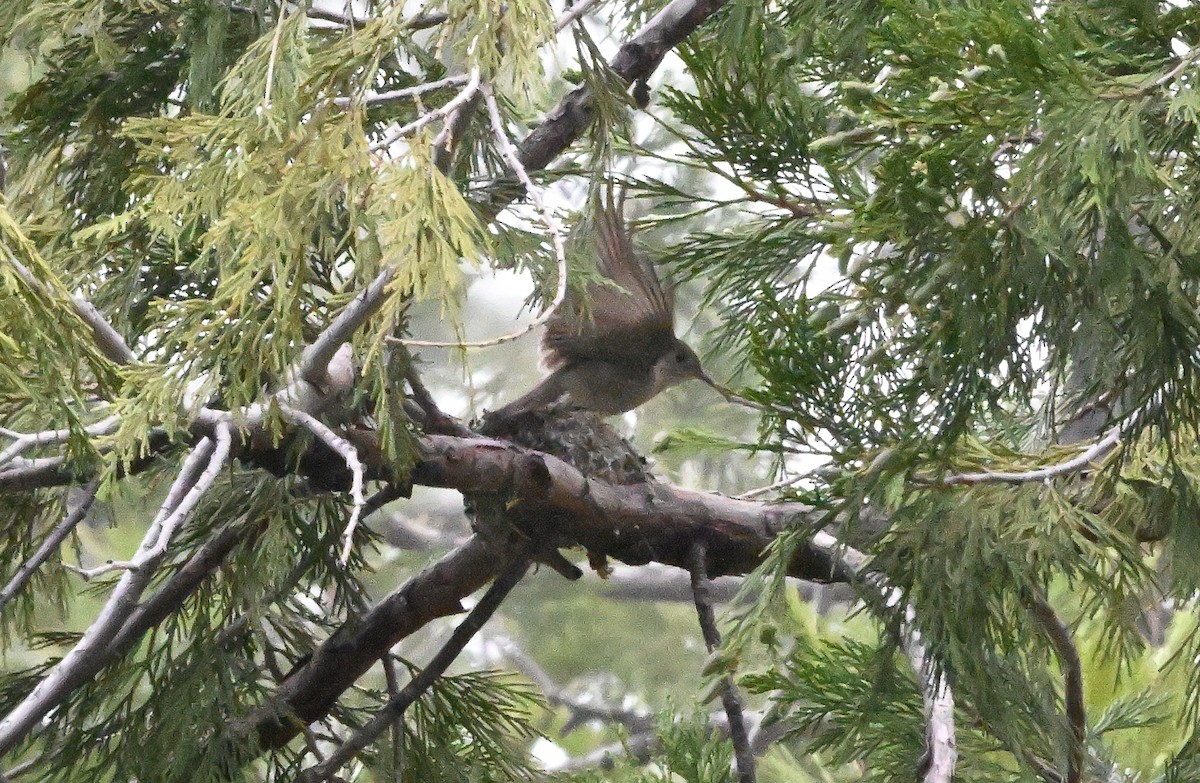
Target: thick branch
(636,523)
(418,685)
(311,690)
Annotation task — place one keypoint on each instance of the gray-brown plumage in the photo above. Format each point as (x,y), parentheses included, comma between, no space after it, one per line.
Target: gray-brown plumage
(620,350)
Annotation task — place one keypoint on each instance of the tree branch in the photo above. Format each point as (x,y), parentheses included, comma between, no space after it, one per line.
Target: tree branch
(557,696)
(1068,658)
(730,698)
(1082,461)
(509,153)
(311,690)
(941,746)
(89,655)
(634,61)
(635,523)
(108,340)
(417,686)
(50,544)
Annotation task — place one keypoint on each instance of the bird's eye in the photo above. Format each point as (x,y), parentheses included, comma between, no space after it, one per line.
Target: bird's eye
(679,357)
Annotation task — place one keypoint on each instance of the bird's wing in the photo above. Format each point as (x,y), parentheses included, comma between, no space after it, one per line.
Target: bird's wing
(629,319)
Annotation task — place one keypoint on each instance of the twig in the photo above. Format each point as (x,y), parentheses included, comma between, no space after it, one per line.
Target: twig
(573,13)
(26,441)
(700,161)
(1068,659)
(419,22)
(1048,773)
(381,98)
(283,12)
(417,686)
(148,558)
(783,483)
(108,339)
(388,662)
(639,747)
(452,130)
(182,583)
(556,695)
(387,493)
(730,697)
(436,420)
(534,193)
(941,752)
(1080,462)
(346,450)
(1184,63)
(634,61)
(50,544)
(465,94)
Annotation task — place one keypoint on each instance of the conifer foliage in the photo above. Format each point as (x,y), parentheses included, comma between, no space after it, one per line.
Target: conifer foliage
(953,248)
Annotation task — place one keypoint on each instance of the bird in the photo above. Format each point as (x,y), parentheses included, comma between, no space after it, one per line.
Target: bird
(614,347)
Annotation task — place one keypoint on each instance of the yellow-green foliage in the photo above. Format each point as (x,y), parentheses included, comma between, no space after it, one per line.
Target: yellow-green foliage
(49,355)
(501,36)
(425,228)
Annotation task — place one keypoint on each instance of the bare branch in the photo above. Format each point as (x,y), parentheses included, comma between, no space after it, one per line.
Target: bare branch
(417,686)
(573,13)
(784,483)
(311,690)
(25,441)
(1083,461)
(390,96)
(581,710)
(50,544)
(465,94)
(346,451)
(89,654)
(283,13)
(176,509)
(108,339)
(941,745)
(638,746)
(1125,93)
(634,61)
(941,751)
(731,699)
(435,419)
(186,579)
(634,523)
(421,21)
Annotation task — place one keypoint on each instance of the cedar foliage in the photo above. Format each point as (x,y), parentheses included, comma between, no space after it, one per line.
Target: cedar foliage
(1007,191)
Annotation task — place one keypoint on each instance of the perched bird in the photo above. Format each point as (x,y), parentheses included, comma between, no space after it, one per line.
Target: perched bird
(618,351)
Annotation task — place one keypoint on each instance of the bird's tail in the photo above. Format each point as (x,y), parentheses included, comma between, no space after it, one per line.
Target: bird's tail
(546,393)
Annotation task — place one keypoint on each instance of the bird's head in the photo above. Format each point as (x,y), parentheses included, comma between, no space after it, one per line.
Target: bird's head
(677,365)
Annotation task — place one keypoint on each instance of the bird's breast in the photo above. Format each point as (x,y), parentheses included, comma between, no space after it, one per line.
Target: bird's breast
(609,388)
